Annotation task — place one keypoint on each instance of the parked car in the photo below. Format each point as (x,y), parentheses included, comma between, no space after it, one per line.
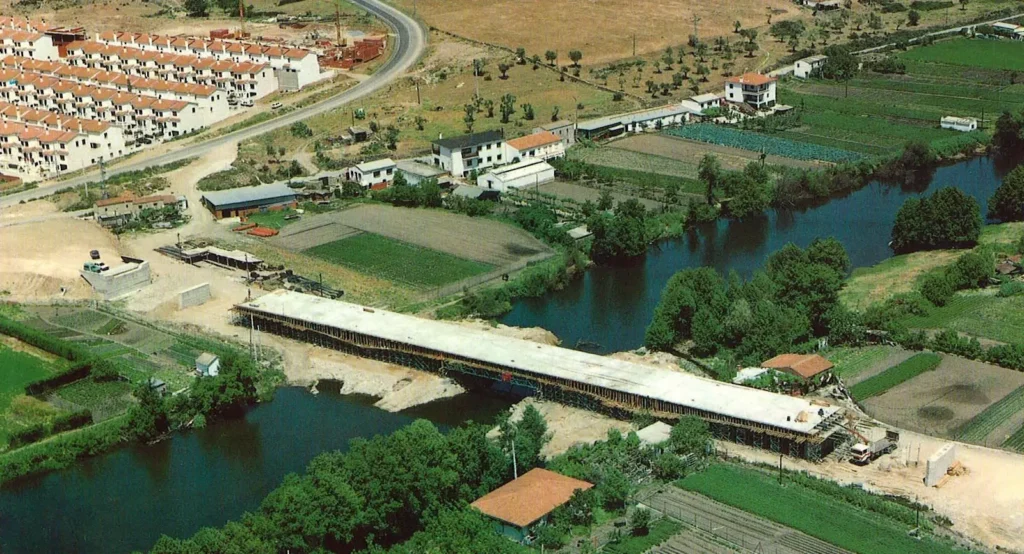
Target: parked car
(94,254)
(275,105)
(247,102)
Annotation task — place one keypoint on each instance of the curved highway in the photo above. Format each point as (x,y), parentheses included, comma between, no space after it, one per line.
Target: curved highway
(408,43)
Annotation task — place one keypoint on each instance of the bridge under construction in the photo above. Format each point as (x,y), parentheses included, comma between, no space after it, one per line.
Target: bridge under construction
(785,424)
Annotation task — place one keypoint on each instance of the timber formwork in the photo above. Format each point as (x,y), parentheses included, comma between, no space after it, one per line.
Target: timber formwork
(571,392)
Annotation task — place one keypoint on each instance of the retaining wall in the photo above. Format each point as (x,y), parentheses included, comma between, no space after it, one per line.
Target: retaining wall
(195,296)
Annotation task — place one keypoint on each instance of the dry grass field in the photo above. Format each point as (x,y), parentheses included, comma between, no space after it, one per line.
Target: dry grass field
(602,29)
(471,238)
(939,402)
(690,152)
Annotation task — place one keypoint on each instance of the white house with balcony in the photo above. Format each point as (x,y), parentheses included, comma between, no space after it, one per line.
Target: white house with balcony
(753,89)
(375,175)
(463,154)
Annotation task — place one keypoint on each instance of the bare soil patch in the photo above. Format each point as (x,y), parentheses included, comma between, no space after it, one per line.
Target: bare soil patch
(939,402)
(691,152)
(569,426)
(582,193)
(477,239)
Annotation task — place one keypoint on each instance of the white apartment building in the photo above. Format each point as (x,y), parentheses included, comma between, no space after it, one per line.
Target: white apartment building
(464,154)
(104,140)
(752,89)
(372,175)
(294,67)
(543,145)
(30,44)
(241,79)
(33,152)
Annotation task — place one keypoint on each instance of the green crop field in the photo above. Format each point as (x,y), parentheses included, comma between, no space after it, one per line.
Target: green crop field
(273,219)
(397,261)
(979,314)
(17,369)
(815,513)
(914,366)
(986,54)
(995,415)
(104,399)
(851,361)
(757,142)
(1016,440)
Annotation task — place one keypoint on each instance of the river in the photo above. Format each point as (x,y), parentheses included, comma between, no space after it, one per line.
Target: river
(124,500)
(609,307)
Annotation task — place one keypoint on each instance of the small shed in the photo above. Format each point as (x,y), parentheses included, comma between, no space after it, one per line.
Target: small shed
(208,365)
(654,434)
(962,124)
(158,385)
(359,134)
(812,369)
(520,506)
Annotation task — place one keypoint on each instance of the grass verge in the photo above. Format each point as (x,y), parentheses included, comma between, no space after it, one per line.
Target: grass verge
(914,366)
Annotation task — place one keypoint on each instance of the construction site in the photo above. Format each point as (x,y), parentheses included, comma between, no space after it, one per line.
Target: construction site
(785,424)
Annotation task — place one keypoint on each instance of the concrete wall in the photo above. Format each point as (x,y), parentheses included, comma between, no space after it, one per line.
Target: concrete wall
(938,463)
(112,287)
(195,296)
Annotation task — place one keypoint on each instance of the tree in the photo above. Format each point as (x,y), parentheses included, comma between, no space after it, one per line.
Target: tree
(503,68)
(736,25)
(640,522)
(554,113)
(614,489)
(913,18)
(148,419)
(1009,133)
(750,47)
(420,120)
(949,218)
(794,43)
(535,60)
(702,50)
(677,80)
(521,55)
(508,107)
(529,434)
(528,112)
(621,236)
(709,172)
(488,106)
(605,200)
(748,193)
(391,137)
(1007,203)
(478,66)
(685,70)
(787,29)
(690,436)
(470,118)
(196,8)
(551,56)
(875,21)
(575,56)
(840,66)
(963,5)
(829,252)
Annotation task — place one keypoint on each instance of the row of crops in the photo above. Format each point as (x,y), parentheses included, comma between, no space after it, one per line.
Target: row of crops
(905,371)
(1016,441)
(755,142)
(981,425)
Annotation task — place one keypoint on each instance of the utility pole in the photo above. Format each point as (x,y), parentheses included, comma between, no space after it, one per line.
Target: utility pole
(634,45)
(780,468)
(337,23)
(418,101)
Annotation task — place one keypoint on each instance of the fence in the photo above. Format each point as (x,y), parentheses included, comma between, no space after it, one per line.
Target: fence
(477,280)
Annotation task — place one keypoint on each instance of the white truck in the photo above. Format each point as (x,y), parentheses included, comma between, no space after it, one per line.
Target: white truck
(877,442)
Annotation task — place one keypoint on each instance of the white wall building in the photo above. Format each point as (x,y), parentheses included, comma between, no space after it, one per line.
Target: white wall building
(707,101)
(526,173)
(463,154)
(30,44)
(962,124)
(565,129)
(543,145)
(809,67)
(372,175)
(752,89)
(208,365)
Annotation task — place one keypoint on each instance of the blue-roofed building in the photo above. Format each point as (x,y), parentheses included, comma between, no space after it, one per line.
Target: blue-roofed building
(246,200)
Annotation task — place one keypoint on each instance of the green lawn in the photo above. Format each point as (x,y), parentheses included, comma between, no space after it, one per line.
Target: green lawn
(905,371)
(17,369)
(851,361)
(810,511)
(274,219)
(398,261)
(987,54)
(977,313)
(995,415)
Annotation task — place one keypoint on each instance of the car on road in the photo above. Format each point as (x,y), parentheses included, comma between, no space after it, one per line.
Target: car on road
(247,103)
(94,254)
(275,105)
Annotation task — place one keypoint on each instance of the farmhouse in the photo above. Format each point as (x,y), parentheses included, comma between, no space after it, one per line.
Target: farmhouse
(525,173)
(124,208)
(246,200)
(543,145)
(633,122)
(811,369)
(962,124)
(809,67)
(752,89)
(372,175)
(461,155)
(520,506)
(566,130)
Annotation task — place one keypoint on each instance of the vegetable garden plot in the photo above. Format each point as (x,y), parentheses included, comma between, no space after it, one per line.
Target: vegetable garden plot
(756,142)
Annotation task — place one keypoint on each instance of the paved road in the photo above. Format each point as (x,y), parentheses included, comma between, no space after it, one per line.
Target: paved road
(409,43)
(951,30)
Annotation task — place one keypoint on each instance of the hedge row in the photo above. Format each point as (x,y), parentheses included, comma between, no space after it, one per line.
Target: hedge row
(63,450)
(43,341)
(40,431)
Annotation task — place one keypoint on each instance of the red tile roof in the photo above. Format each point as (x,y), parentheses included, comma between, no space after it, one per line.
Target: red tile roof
(533,141)
(802,365)
(529,498)
(754,79)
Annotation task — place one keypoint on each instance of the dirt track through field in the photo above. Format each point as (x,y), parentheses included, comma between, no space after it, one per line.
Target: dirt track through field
(479,239)
(939,402)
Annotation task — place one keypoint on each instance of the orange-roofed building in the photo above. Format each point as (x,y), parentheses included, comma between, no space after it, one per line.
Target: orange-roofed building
(811,370)
(542,145)
(753,89)
(522,505)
